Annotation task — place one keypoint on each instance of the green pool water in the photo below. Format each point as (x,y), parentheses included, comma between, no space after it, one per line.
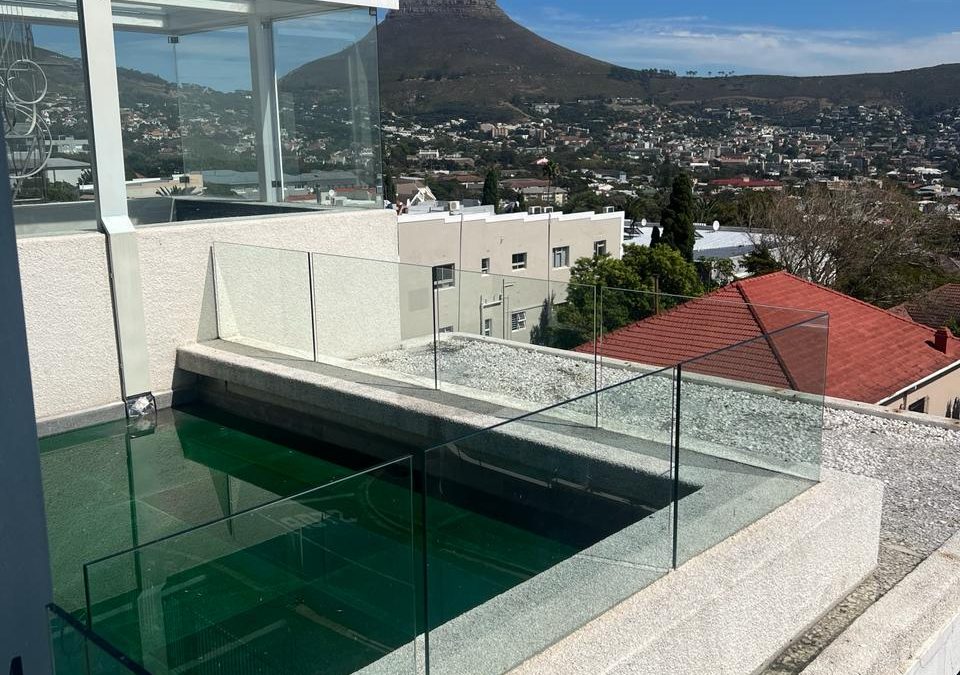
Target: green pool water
(203,568)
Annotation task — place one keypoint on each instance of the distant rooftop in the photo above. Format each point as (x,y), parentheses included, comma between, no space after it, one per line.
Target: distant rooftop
(872,353)
(936,308)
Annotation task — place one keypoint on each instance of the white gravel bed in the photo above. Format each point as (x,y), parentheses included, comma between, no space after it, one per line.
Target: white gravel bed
(746,421)
(919,464)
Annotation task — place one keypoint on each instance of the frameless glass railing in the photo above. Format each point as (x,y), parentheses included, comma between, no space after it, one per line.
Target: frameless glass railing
(75,650)
(514,341)
(538,525)
(478,553)
(324,581)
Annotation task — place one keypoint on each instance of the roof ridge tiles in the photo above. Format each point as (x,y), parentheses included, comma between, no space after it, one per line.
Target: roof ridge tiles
(784,273)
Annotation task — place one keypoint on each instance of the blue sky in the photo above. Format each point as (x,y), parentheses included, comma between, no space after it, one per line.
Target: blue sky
(798,37)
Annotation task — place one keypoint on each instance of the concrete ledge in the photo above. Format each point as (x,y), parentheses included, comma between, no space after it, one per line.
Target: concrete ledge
(913,629)
(730,608)
(59,424)
(888,414)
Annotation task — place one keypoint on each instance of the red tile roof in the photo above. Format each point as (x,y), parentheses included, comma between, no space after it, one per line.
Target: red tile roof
(871,353)
(935,309)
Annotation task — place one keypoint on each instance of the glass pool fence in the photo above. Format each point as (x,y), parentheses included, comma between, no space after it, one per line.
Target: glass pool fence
(478,553)
(523,343)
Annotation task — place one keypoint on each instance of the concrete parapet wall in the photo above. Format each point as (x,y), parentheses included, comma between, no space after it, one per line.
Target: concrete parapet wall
(913,630)
(69,310)
(730,609)
(70,329)
(175,262)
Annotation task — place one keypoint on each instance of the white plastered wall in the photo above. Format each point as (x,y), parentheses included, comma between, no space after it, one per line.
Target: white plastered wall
(70,329)
(69,311)
(178,297)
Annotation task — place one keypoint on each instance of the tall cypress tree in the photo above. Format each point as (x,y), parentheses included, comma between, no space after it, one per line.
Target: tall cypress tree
(677,219)
(491,189)
(655,238)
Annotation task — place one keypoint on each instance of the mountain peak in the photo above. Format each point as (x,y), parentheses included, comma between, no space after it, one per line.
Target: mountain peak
(459,8)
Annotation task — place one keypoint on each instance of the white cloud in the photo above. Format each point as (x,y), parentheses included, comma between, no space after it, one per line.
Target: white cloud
(696,43)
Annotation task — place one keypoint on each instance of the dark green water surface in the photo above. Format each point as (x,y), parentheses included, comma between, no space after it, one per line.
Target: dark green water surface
(204,568)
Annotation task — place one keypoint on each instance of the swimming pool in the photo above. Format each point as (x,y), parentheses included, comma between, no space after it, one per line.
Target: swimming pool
(329,581)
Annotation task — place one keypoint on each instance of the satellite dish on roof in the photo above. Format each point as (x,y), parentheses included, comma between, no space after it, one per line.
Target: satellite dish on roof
(716,226)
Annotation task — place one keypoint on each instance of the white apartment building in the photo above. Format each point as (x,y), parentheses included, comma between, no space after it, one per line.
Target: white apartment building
(514,262)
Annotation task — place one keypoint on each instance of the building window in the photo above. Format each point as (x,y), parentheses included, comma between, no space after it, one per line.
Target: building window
(518,321)
(485,266)
(600,248)
(519,261)
(561,257)
(487,327)
(918,406)
(444,276)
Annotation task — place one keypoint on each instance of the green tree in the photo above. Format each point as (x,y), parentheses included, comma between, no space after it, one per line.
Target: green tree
(62,192)
(389,187)
(551,171)
(590,277)
(715,272)
(175,191)
(760,261)
(655,237)
(626,289)
(580,202)
(677,219)
(491,190)
(954,326)
(676,276)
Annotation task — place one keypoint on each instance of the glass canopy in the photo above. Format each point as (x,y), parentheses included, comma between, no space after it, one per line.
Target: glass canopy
(227,109)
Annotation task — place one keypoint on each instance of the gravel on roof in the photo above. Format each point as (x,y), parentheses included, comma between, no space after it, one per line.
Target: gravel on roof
(712,413)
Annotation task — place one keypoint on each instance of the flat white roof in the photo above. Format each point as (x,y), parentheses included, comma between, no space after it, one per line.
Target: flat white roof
(181,17)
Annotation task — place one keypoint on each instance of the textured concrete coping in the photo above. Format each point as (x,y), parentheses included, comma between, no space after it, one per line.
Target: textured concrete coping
(415,421)
(909,630)
(730,609)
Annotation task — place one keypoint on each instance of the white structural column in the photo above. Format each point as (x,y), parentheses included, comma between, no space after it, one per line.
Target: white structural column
(25,586)
(266,108)
(96,31)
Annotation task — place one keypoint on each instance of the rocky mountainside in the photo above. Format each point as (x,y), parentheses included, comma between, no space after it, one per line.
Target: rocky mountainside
(444,58)
(461,8)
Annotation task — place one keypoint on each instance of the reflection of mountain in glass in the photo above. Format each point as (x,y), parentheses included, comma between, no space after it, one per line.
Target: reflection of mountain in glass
(467,58)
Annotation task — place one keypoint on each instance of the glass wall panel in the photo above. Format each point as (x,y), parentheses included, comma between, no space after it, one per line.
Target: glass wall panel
(187,112)
(231,112)
(327,80)
(540,524)
(750,429)
(516,341)
(322,582)
(264,298)
(46,122)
